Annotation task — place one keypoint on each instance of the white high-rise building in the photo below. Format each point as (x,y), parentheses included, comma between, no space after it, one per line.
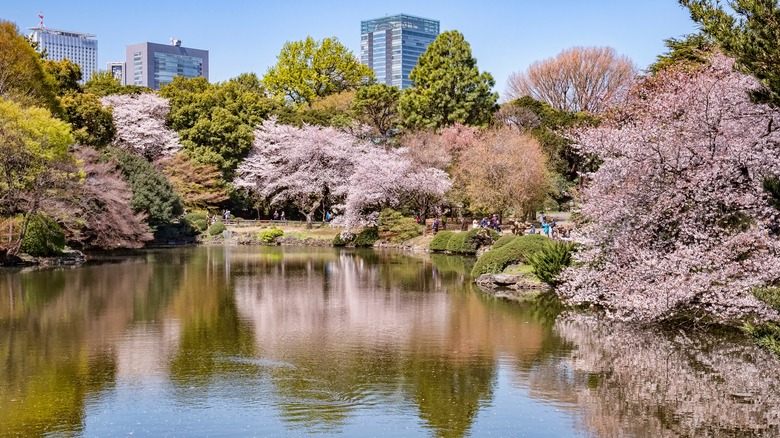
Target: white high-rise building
(80,48)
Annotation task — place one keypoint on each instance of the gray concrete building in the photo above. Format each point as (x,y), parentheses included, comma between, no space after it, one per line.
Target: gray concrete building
(154,65)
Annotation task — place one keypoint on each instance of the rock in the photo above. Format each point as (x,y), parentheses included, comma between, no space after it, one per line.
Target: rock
(491,282)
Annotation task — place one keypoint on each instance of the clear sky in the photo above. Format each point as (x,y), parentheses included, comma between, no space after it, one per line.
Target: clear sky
(246,36)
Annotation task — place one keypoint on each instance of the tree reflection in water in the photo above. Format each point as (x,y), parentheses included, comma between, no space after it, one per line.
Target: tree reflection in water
(323,341)
(655,383)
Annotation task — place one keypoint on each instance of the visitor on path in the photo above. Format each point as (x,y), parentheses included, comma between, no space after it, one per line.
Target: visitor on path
(282,218)
(435,225)
(546,229)
(276,215)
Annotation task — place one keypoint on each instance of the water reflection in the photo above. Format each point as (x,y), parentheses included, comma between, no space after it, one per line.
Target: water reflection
(265,342)
(680,383)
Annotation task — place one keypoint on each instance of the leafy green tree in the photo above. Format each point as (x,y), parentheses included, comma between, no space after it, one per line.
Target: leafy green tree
(34,165)
(22,77)
(93,125)
(152,193)
(693,49)
(44,237)
(102,84)
(448,87)
(545,123)
(750,36)
(307,70)
(66,75)
(216,121)
(377,106)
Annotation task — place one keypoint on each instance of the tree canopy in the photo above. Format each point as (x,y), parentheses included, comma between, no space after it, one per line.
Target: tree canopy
(750,36)
(22,76)
(676,219)
(377,106)
(588,79)
(215,121)
(34,163)
(308,70)
(448,87)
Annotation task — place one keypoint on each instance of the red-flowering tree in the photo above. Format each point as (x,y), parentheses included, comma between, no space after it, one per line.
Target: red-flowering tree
(140,125)
(676,218)
(97,214)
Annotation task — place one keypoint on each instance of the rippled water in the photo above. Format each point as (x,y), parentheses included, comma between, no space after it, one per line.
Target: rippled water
(298,341)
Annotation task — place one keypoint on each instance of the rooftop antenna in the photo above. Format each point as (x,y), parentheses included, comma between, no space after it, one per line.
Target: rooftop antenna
(40,15)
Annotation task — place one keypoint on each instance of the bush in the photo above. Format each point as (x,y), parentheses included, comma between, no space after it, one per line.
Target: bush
(367,237)
(440,240)
(456,242)
(44,237)
(341,241)
(469,242)
(269,236)
(503,240)
(519,250)
(766,335)
(217,228)
(768,295)
(550,261)
(198,221)
(395,228)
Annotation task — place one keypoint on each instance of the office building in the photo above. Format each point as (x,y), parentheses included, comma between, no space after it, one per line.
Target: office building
(117,70)
(154,65)
(80,48)
(390,46)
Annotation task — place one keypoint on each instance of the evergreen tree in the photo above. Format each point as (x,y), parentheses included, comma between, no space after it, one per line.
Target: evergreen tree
(448,87)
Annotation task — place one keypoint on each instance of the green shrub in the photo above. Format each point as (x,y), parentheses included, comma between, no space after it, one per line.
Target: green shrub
(766,335)
(456,242)
(519,250)
(395,228)
(439,242)
(44,237)
(198,221)
(367,237)
(551,260)
(769,295)
(503,240)
(476,238)
(217,228)
(340,241)
(268,236)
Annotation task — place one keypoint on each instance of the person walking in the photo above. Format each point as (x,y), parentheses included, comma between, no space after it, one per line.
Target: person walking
(435,225)
(282,218)
(276,215)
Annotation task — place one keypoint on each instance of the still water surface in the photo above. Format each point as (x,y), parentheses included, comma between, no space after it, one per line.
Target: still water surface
(221,341)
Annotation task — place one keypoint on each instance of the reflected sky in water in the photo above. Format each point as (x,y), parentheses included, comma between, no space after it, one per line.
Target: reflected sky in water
(298,341)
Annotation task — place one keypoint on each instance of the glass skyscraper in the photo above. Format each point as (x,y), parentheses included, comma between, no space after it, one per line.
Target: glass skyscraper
(390,46)
(154,65)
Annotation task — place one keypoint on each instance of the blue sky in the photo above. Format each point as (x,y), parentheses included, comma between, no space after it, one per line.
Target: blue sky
(246,36)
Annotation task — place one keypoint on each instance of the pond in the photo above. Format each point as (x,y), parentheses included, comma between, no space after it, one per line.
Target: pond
(270,341)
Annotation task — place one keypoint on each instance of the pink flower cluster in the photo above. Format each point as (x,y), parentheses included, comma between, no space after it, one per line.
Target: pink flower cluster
(676,219)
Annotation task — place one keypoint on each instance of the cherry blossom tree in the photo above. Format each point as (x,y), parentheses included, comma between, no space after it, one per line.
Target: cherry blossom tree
(315,166)
(675,219)
(308,167)
(391,179)
(140,125)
